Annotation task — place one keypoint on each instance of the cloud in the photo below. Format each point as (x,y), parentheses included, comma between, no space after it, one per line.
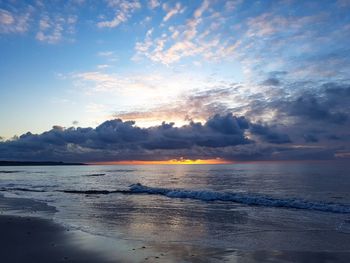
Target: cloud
(50,23)
(310,138)
(343,3)
(123,140)
(232,4)
(309,112)
(11,22)
(52,29)
(123,10)
(268,135)
(271,82)
(153,4)
(196,105)
(110,56)
(203,7)
(177,9)
(328,103)
(98,81)
(191,38)
(311,108)
(103,66)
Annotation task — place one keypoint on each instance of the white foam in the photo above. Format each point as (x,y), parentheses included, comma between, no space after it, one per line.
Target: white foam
(243,198)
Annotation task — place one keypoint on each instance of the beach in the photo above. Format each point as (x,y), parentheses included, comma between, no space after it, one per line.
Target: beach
(206,213)
(38,238)
(26,239)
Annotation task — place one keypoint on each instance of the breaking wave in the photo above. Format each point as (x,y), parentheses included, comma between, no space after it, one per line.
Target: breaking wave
(207,195)
(242,198)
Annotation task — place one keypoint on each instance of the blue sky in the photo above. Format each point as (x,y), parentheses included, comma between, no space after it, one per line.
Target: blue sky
(80,63)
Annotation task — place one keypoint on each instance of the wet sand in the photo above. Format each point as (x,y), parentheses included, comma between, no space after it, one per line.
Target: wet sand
(29,239)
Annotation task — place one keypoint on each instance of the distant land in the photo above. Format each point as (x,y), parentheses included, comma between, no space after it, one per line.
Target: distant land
(19,163)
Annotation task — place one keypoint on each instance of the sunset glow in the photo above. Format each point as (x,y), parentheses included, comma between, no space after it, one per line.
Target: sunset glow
(172,162)
(184,81)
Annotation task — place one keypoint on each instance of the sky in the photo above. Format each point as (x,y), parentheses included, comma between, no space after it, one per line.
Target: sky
(117,80)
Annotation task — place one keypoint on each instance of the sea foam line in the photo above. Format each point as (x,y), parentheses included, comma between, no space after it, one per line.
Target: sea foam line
(206,195)
(243,198)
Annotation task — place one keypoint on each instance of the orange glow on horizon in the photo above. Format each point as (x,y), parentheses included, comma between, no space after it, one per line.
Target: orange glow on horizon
(172,161)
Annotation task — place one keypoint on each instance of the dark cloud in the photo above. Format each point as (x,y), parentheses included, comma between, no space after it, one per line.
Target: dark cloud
(310,138)
(303,122)
(313,108)
(271,82)
(268,134)
(309,112)
(328,103)
(222,136)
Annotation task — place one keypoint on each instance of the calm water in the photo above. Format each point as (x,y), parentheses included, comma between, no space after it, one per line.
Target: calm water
(247,207)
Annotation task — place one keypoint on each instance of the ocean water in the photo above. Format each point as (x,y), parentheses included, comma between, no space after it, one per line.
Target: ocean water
(266,206)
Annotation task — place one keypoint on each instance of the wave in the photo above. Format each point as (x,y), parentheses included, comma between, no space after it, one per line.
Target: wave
(242,198)
(206,195)
(88,192)
(21,189)
(95,192)
(120,170)
(95,175)
(8,172)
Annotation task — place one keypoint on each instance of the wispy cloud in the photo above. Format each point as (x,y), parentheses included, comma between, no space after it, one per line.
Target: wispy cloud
(11,22)
(123,10)
(103,66)
(110,56)
(153,3)
(52,29)
(177,9)
(190,39)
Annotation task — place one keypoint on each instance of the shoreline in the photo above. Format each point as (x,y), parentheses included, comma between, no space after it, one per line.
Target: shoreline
(29,233)
(32,239)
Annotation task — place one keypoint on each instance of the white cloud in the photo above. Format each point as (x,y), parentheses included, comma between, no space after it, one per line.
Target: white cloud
(103,66)
(193,38)
(123,10)
(11,22)
(6,17)
(199,12)
(52,29)
(109,55)
(95,108)
(136,88)
(232,4)
(177,9)
(153,4)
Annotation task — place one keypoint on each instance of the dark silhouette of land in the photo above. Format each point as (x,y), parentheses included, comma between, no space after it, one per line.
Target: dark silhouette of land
(24,163)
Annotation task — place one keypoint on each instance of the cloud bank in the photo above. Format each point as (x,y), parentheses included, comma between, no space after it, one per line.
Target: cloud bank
(222,136)
(123,140)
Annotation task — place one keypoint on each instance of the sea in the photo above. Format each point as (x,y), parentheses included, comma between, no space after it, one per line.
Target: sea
(262,211)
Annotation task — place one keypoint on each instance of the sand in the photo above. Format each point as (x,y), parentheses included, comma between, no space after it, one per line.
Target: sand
(29,239)
(26,238)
